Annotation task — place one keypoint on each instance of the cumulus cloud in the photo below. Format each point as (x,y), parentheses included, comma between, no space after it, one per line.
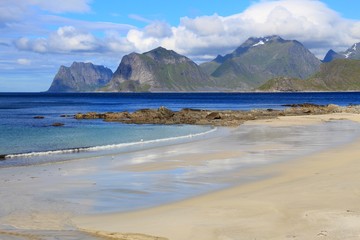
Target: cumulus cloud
(204,26)
(158,30)
(65,39)
(309,21)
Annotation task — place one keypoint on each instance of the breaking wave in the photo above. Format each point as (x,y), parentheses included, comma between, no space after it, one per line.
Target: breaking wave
(103,147)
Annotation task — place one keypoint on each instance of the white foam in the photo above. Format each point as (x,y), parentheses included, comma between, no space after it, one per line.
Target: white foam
(107,147)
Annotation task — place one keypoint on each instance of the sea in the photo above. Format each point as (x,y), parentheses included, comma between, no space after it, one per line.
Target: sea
(26,138)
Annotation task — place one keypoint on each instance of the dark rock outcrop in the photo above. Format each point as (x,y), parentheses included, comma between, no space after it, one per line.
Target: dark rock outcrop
(57,124)
(215,118)
(80,77)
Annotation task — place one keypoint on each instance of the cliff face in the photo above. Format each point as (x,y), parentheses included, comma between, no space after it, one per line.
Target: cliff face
(260,59)
(337,75)
(158,70)
(80,77)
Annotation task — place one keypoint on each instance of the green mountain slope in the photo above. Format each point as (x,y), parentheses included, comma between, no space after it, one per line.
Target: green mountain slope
(337,75)
(158,70)
(260,59)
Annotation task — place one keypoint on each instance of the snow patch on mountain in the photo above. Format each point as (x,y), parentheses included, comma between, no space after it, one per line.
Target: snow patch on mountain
(259,43)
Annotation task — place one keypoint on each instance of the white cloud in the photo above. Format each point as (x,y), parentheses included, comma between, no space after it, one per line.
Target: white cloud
(69,38)
(158,30)
(117,44)
(24,61)
(309,21)
(65,39)
(204,26)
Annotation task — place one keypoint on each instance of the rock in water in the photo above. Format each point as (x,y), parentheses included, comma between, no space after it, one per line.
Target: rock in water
(57,124)
(80,77)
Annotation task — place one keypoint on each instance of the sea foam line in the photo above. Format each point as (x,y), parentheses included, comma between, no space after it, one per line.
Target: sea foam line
(104,147)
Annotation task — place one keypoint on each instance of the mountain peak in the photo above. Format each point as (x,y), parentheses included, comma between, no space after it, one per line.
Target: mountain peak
(257,41)
(353,51)
(158,70)
(331,55)
(163,55)
(80,77)
(160,51)
(261,58)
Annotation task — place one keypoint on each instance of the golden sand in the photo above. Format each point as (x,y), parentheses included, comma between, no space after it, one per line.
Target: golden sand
(315,197)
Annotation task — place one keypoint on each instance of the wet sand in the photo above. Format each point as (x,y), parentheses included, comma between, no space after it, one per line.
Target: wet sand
(313,195)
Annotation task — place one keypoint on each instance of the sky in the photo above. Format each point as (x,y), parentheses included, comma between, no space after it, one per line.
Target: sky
(38,36)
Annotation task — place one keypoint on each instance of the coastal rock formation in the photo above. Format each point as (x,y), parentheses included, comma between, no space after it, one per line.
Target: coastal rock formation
(166,116)
(260,59)
(215,118)
(337,75)
(158,70)
(80,77)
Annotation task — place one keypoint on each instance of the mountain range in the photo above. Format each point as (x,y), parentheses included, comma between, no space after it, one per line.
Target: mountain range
(266,64)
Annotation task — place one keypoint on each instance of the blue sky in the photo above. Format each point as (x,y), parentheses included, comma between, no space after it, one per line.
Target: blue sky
(37,36)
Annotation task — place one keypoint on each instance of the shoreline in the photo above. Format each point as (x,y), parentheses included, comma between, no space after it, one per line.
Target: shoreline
(313,197)
(221,214)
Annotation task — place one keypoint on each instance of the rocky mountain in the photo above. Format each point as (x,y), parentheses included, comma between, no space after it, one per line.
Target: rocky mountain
(351,53)
(260,59)
(158,70)
(337,75)
(331,55)
(80,77)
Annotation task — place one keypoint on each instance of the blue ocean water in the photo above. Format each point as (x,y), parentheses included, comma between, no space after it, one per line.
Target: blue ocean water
(21,133)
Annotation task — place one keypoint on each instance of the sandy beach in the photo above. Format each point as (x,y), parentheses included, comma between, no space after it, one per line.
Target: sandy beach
(311,196)
(314,197)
